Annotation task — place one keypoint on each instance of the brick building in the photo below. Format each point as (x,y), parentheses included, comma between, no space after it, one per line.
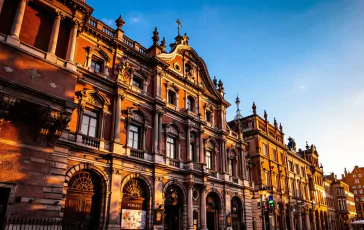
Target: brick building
(99,130)
(355,180)
(293,178)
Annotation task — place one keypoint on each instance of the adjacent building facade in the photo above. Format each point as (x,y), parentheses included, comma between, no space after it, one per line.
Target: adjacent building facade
(355,180)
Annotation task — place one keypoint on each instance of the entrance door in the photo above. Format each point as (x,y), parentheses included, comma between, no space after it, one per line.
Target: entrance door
(172,217)
(235,218)
(211,220)
(4,197)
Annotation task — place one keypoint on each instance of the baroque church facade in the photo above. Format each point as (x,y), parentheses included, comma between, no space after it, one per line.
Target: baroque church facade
(97,129)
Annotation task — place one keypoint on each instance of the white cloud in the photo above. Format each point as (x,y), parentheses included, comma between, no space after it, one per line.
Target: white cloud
(302,87)
(108,21)
(135,19)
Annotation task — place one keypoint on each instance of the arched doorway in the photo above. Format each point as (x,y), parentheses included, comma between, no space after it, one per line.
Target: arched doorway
(83,200)
(237,221)
(134,204)
(212,211)
(173,206)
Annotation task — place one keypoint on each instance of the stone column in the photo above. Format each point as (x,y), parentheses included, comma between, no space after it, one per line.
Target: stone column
(299,219)
(115,208)
(54,35)
(190,207)
(189,156)
(203,208)
(72,42)
(18,19)
(313,221)
(319,222)
(117,118)
(17,23)
(223,156)
(307,219)
(160,132)
(155,132)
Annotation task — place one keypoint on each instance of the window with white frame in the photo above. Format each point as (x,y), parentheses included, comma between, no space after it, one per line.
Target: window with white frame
(208,159)
(134,137)
(357,181)
(265,150)
(171,147)
(89,123)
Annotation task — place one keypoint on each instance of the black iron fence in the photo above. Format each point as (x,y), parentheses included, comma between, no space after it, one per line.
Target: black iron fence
(15,223)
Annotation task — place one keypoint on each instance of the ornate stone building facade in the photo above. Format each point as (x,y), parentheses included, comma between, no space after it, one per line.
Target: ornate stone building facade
(294,182)
(97,129)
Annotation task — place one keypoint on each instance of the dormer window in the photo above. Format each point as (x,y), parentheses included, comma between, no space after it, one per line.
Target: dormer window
(96,65)
(188,68)
(171,97)
(137,82)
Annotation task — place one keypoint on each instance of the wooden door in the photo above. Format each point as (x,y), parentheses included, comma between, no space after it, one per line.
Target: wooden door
(79,208)
(211,221)
(172,217)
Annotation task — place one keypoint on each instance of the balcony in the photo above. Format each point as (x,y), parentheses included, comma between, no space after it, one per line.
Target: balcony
(197,166)
(174,163)
(90,141)
(137,153)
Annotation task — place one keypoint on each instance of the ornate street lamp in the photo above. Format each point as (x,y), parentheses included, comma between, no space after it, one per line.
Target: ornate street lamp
(262,193)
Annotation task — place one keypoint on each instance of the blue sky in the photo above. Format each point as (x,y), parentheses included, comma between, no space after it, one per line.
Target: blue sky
(302,61)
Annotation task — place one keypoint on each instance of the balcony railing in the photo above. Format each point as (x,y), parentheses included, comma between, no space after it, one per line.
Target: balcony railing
(213,174)
(90,141)
(197,166)
(174,163)
(137,153)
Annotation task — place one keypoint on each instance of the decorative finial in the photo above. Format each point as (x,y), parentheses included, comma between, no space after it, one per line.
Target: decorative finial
(238,114)
(275,123)
(221,86)
(265,115)
(155,37)
(215,81)
(281,127)
(254,107)
(179,24)
(307,146)
(163,45)
(120,23)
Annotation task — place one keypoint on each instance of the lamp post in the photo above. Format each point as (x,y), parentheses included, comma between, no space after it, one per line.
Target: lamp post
(262,193)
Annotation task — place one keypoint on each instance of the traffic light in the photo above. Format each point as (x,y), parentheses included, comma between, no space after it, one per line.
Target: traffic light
(271,202)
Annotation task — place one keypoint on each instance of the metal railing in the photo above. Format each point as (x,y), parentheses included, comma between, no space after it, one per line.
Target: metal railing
(19,223)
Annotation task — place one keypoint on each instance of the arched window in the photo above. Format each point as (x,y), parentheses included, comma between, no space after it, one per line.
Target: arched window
(135,123)
(191,104)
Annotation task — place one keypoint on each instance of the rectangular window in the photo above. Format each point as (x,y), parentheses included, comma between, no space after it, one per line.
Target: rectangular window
(297,169)
(192,151)
(357,181)
(208,116)
(137,83)
(208,160)
(134,137)
(355,191)
(303,171)
(290,165)
(96,65)
(275,155)
(89,124)
(171,97)
(171,151)
(283,160)
(231,166)
(361,191)
(265,150)
(267,179)
(277,181)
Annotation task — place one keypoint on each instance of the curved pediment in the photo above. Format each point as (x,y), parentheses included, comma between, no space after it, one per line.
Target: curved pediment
(183,54)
